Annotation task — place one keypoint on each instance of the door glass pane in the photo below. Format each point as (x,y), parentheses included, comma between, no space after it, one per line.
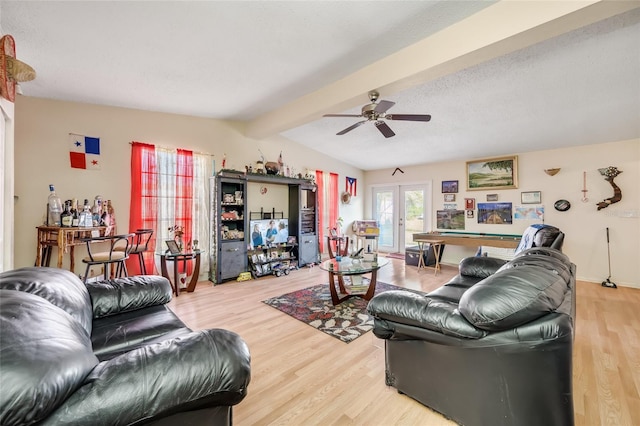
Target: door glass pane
(413,214)
(384,216)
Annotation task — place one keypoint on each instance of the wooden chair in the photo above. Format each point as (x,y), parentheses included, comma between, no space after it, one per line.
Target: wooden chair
(116,253)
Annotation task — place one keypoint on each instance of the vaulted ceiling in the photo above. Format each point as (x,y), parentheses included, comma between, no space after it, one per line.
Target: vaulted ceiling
(496,77)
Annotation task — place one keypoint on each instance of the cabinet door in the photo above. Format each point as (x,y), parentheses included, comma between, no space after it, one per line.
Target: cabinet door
(232,259)
(308,249)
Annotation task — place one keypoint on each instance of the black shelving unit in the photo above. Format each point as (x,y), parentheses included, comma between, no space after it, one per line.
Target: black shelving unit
(231,214)
(275,260)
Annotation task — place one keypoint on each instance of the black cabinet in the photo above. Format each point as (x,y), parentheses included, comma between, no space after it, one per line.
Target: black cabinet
(231,217)
(303,221)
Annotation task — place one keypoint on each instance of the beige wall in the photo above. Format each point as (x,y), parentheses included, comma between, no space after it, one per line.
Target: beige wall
(42,157)
(584,226)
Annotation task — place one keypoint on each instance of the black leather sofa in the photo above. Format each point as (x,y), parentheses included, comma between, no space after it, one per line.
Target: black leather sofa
(493,346)
(110,353)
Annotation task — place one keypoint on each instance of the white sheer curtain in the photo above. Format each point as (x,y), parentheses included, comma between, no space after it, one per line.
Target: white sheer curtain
(200,224)
(167,165)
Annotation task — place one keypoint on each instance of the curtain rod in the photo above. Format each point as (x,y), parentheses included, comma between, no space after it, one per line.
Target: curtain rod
(171,148)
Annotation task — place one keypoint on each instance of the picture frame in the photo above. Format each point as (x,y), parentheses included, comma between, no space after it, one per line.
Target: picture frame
(449,198)
(492,197)
(449,186)
(531,197)
(450,219)
(470,214)
(470,204)
(172,247)
(492,173)
(495,213)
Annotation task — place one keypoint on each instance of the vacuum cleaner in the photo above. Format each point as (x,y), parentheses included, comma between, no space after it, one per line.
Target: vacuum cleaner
(608,282)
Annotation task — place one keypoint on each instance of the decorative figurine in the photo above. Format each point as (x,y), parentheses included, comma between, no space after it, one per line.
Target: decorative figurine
(610,173)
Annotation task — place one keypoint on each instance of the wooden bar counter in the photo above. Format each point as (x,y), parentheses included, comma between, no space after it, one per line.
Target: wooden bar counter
(65,239)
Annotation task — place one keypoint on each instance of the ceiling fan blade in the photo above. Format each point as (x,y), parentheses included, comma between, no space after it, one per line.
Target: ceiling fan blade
(408,117)
(350,128)
(383,106)
(384,129)
(342,115)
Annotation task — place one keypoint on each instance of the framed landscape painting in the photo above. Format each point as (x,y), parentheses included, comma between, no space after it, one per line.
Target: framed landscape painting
(492,173)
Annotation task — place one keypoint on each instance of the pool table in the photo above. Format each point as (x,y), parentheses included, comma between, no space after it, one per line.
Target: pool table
(470,239)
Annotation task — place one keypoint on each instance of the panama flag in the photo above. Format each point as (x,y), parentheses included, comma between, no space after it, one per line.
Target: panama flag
(85,152)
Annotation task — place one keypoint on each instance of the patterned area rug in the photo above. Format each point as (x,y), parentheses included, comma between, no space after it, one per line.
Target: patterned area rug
(346,321)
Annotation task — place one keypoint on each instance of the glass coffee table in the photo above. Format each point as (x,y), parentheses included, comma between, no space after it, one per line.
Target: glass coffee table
(354,268)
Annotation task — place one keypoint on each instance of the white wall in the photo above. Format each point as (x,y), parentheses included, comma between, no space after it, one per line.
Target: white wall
(42,157)
(584,226)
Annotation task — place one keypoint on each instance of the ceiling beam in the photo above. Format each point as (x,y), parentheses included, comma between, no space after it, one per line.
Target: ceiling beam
(495,31)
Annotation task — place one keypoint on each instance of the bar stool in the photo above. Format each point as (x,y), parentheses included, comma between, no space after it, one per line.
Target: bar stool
(139,246)
(341,246)
(116,253)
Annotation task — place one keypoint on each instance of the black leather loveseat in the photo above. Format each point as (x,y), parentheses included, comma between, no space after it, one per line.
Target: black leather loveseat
(493,346)
(110,353)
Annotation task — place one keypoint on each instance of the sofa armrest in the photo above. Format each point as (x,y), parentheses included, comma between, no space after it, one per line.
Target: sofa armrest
(405,307)
(128,294)
(200,370)
(480,266)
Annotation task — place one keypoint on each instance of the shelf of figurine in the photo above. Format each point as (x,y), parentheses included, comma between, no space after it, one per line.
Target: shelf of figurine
(275,260)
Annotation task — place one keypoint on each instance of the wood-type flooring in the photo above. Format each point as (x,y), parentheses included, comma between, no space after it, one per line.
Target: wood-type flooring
(301,376)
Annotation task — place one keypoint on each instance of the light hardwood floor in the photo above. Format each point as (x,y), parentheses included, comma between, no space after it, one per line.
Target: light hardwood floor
(301,376)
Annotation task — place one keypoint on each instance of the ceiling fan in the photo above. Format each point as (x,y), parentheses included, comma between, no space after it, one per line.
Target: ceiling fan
(376,111)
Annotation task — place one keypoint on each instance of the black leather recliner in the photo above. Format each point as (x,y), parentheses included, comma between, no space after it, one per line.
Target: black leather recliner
(110,353)
(493,346)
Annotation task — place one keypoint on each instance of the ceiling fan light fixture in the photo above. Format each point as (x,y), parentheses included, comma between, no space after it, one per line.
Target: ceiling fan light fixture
(377,112)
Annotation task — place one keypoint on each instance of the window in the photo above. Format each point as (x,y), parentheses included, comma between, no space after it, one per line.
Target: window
(168,188)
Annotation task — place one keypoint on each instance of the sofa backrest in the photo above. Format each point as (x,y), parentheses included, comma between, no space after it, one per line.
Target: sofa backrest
(46,355)
(533,284)
(59,286)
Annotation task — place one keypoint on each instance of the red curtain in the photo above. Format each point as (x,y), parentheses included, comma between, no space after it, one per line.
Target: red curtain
(333,200)
(326,199)
(184,197)
(320,195)
(143,212)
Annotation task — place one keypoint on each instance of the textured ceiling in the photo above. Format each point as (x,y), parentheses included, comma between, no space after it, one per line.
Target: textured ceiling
(247,61)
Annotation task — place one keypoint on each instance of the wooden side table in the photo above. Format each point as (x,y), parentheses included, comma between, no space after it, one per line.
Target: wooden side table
(176,259)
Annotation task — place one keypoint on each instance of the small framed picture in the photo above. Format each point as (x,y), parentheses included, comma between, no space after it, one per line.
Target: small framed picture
(449,198)
(492,197)
(469,214)
(172,246)
(469,204)
(449,186)
(291,240)
(531,197)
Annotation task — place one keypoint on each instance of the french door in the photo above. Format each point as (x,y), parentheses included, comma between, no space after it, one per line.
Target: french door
(401,211)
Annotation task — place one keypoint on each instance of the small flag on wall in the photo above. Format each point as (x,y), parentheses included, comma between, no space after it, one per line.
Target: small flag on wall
(85,152)
(350,186)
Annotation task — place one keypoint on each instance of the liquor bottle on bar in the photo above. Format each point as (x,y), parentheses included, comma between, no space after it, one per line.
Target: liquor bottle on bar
(86,220)
(54,208)
(66,218)
(74,211)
